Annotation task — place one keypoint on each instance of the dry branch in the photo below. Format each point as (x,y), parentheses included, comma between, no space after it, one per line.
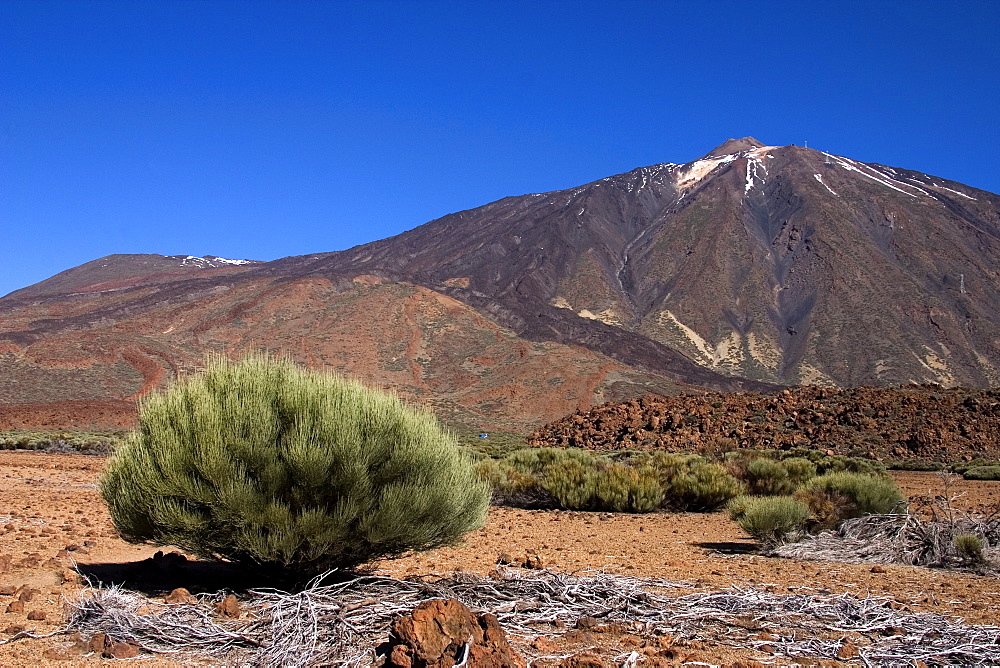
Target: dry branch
(341,624)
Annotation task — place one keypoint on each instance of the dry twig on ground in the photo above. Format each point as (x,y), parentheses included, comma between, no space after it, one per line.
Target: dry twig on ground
(341,624)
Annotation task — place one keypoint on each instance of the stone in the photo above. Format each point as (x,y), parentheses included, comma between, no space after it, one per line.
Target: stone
(7,590)
(53,654)
(15,606)
(878,569)
(37,615)
(442,633)
(228,607)
(70,576)
(97,643)
(584,660)
(14,629)
(847,651)
(180,595)
(28,595)
(121,650)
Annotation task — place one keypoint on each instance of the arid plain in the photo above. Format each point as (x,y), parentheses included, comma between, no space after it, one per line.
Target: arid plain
(54,522)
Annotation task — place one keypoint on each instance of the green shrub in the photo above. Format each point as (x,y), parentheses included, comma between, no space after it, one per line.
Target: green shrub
(916,465)
(265,464)
(836,497)
(572,482)
(982,473)
(769,518)
(969,547)
(698,485)
(769,477)
(512,487)
(622,488)
(799,470)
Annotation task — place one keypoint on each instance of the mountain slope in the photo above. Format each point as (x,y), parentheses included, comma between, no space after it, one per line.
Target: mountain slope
(751,267)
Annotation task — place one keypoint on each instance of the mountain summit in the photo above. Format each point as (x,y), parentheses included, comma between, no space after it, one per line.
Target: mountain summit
(731,146)
(752,267)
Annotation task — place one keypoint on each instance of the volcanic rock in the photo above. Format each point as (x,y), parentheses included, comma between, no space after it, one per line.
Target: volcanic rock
(444,632)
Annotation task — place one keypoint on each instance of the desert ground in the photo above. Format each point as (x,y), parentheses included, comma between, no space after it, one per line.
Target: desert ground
(54,524)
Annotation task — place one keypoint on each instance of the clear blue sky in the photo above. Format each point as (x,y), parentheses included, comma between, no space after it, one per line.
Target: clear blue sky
(266,129)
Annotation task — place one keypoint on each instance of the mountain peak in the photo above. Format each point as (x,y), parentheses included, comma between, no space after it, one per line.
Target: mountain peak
(734,146)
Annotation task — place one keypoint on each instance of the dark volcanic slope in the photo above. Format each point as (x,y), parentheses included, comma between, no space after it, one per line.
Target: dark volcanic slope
(752,266)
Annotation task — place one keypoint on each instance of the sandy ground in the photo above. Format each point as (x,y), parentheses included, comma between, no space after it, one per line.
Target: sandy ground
(51,517)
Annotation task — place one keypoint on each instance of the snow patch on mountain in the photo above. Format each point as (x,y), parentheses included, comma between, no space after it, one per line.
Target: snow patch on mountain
(209,261)
(819,178)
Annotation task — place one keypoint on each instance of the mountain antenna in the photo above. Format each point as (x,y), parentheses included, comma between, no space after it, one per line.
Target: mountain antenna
(807,143)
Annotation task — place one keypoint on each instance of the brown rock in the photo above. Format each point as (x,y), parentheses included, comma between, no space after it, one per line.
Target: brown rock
(15,606)
(121,650)
(847,651)
(53,654)
(36,615)
(443,632)
(878,569)
(180,595)
(70,576)
(229,606)
(28,595)
(584,660)
(587,623)
(98,642)
(14,629)
(7,590)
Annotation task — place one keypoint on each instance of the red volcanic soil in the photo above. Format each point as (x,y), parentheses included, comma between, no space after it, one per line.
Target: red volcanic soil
(73,415)
(52,516)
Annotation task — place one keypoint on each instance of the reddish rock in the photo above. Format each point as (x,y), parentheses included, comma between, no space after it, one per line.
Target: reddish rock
(7,590)
(584,660)
(847,651)
(53,654)
(121,650)
(443,632)
(228,607)
(15,606)
(14,629)
(180,595)
(36,616)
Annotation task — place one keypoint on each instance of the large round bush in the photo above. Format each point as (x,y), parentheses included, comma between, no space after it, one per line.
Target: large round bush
(266,464)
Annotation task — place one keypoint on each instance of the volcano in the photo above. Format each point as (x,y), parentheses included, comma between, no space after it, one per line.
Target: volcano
(750,268)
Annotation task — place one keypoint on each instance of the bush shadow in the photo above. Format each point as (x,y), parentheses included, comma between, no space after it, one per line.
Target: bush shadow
(163,573)
(731,547)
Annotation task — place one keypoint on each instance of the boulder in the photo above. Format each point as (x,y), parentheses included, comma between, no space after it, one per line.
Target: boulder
(442,633)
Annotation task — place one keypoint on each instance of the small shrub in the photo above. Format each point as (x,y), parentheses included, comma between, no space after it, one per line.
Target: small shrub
(969,547)
(699,486)
(768,519)
(835,497)
(512,487)
(799,470)
(769,477)
(622,488)
(982,473)
(916,465)
(572,482)
(268,465)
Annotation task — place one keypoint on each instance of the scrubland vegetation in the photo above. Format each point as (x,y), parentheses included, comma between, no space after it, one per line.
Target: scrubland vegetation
(263,463)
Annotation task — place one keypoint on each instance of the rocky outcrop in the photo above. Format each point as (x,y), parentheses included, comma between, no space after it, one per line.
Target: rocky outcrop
(927,423)
(442,633)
